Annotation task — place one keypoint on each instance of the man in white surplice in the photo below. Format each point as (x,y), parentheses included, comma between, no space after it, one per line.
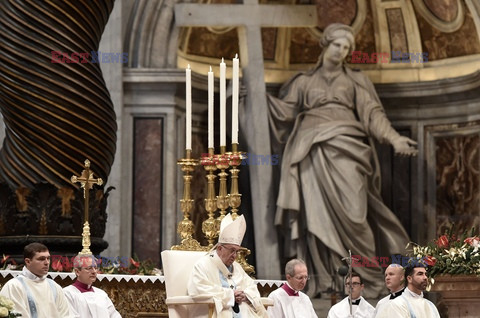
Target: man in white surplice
(395,282)
(288,300)
(35,295)
(354,305)
(411,303)
(85,300)
(218,275)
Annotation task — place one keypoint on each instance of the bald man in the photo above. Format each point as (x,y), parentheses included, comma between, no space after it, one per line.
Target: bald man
(395,282)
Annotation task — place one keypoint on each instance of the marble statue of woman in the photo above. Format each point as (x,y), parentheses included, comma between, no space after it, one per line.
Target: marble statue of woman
(329,194)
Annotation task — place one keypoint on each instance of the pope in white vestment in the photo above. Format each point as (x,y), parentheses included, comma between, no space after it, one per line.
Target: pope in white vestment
(217,275)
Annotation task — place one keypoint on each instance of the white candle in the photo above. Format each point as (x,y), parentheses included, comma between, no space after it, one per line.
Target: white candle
(223,102)
(235,100)
(188,88)
(210,109)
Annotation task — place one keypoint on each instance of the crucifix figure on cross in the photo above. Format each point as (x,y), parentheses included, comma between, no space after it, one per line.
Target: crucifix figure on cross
(87,181)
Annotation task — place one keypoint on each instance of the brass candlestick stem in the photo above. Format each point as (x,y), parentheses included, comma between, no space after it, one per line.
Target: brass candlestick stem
(235,199)
(185,227)
(209,226)
(87,181)
(222,198)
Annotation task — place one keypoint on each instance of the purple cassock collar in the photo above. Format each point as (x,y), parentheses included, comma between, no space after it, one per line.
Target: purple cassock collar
(83,287)
(290,291)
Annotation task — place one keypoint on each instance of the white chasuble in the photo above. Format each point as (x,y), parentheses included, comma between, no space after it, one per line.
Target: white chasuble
(205,280)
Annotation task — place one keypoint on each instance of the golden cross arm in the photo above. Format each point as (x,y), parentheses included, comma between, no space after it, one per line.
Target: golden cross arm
(86,179)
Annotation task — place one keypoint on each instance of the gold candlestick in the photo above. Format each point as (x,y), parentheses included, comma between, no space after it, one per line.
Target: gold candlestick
(87,181)
(234,198)
(185,227)
(209,226)
(222,197)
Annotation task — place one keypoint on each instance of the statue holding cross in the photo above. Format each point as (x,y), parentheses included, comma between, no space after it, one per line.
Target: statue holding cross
(87,181)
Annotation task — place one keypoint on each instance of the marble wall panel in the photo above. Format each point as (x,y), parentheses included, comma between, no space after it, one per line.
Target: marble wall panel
(396,29)
(147,188)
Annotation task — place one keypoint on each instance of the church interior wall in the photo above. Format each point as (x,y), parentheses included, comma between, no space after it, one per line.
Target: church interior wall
(151,49)
(148,96)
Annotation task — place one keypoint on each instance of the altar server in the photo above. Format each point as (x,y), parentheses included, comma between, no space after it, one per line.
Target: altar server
(411,303)
(359,307)
(35,295)
(395,282)
(87,301)
(289,300)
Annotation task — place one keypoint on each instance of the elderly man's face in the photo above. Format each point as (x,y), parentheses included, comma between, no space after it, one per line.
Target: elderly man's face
(299,279)
(87,270)
(337,50)
(228,253)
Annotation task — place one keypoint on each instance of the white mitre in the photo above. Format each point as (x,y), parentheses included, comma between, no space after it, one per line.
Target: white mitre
(232,231)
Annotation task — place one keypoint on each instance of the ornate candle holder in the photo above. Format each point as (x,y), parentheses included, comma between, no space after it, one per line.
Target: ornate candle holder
(235,199)
(222,163)
(209,226)
(185,227)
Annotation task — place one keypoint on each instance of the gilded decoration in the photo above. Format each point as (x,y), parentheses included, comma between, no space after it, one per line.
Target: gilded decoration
(444,30)
(442,45)
(446,15)
(446,10)
(458,181)
(335,11)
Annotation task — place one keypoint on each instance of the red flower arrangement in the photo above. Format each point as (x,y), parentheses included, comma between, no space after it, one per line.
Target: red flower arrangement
(450,254)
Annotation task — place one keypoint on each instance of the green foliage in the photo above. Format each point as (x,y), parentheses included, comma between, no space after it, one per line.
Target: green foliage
(451,254)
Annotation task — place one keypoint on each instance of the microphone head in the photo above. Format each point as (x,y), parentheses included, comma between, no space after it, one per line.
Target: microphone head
(343,270)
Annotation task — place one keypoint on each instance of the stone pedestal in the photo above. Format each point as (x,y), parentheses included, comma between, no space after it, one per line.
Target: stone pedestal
(460,295)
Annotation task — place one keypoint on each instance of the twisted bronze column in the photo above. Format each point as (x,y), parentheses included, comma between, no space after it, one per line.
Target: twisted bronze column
(55,105)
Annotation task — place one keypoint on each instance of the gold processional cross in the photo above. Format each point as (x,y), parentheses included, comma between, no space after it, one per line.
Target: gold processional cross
(87,181)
